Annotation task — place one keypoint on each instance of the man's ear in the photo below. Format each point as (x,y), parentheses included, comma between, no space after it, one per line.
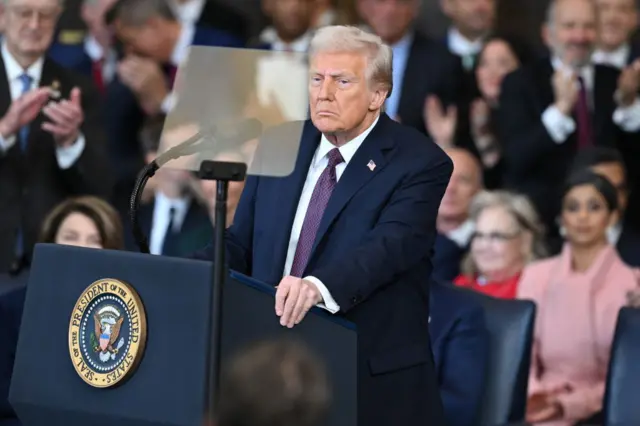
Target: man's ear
(378,99)
(545,33)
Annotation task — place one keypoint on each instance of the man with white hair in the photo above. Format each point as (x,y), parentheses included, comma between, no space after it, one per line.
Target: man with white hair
(352,228)
(553,108)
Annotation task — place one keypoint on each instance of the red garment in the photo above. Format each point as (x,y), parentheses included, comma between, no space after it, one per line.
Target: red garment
(505,289)
(98,78)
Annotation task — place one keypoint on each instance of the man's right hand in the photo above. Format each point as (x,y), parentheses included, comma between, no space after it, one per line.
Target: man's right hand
(565,88)
(23,111)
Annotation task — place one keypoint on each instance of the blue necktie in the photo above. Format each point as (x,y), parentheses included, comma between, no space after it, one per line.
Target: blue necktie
(26,80)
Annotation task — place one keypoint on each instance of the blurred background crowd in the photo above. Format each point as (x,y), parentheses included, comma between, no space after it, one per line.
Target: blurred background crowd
(535,102)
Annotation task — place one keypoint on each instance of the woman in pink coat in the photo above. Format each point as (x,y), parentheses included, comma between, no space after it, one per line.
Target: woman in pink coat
(578,296)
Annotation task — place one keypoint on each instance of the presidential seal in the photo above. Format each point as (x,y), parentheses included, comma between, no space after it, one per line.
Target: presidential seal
(107,333)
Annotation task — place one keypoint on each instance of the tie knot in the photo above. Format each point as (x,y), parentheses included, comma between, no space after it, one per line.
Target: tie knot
(25,79)
(335,157)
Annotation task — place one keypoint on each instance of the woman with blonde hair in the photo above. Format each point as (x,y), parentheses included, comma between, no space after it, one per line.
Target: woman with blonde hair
(508,236)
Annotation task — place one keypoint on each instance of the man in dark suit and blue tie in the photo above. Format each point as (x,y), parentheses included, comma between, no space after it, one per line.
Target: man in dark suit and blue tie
(352,228)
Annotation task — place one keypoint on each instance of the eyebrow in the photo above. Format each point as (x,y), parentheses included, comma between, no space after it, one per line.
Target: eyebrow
(335,74)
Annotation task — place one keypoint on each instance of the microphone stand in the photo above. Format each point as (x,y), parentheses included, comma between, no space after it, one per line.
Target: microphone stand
(222,173)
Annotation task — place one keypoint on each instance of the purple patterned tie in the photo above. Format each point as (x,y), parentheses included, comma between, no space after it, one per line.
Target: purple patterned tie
(317,205)
(583,117)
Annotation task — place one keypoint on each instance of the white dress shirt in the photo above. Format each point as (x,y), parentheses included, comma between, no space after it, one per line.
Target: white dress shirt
(66,156)
(463,47)
(613,234)
(616,58)
(162,216)
(188,12)
(462,234)
(318,164)
(270,36)
(560,126)
(96,53)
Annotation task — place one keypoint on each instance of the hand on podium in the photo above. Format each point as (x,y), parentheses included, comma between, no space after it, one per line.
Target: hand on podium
(294,297)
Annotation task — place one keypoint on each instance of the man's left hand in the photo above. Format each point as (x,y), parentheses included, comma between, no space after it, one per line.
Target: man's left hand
(66,117)
(628,84)
(294,298)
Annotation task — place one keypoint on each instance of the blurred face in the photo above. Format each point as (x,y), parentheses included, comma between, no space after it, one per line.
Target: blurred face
(291,18)
(585,216)
(617,19)
(149,40)
(614,173)
(496,61)
(78,230)
(93,13)
(340,98)
(463,185)
(29,26)
(573,33)
(473,18)
(499,246)
(389,19)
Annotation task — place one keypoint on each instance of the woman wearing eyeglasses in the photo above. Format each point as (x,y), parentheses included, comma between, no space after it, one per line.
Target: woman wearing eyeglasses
(507,237)
(578,295)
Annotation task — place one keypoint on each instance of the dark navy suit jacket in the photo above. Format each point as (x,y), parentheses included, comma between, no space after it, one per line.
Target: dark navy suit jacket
(460,344)
(11,307)
(372,252)
(446,259)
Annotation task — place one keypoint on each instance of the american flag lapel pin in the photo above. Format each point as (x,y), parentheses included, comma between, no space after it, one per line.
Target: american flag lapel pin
(371,165)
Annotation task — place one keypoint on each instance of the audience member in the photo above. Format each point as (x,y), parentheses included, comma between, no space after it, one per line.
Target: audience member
(211,13)
(170,220)
(578,296)
(290,28)
(618,20)
(274,383)
(421,67)
(460,344)
(553,108)
(474,127)
(51,135)
(508,236)
(83,222)
(608,163)
(93,54)
(453,224)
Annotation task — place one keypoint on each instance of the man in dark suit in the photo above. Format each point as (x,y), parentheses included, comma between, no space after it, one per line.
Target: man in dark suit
(361,250)
(47,153)
(421,67)
(561,104)
(156,44)
(212,13)
(460,344)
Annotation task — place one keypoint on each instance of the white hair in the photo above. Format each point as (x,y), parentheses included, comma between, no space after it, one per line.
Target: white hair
(342,38)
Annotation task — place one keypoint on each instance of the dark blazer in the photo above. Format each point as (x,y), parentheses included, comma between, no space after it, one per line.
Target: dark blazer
(447,257)
(196,221)
(223,17)
(32,184)
(11,307)
(628,246)
(460,344)
(430,70)
(533,163)
(124,117)
(372,252)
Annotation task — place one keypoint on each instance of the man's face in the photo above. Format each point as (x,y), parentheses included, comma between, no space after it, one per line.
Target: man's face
(93,14)
(339,95)
(389,19)
(147,40)
(29,25)
(572,34)
(472,17)
(617,19)
(291,18)
(463,186)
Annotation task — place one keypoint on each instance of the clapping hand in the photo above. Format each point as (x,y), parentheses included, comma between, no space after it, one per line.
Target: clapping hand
(441,122)
(294,298)
(628,84)
(565,88)
(23,111)
(543,407)
(66,117)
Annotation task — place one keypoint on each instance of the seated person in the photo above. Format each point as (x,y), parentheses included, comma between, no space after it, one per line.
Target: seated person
(84,222)
(578,295)
(460,345)
(508,235)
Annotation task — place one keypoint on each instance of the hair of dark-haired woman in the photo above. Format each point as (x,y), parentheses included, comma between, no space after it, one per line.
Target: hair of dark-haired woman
(601,184)
(521,50)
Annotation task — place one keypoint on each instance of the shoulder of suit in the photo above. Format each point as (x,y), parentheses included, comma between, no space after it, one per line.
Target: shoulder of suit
(69,75)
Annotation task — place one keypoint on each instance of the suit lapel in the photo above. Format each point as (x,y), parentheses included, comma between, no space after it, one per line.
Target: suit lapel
(543,76)
(603,103)
(357,174)
(5,93)
(288,196)
(413,72)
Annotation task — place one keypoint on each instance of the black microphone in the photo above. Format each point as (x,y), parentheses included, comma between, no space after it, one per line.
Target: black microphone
(206,140)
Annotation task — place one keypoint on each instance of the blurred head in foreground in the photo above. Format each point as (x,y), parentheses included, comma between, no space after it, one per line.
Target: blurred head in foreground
(274,383)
